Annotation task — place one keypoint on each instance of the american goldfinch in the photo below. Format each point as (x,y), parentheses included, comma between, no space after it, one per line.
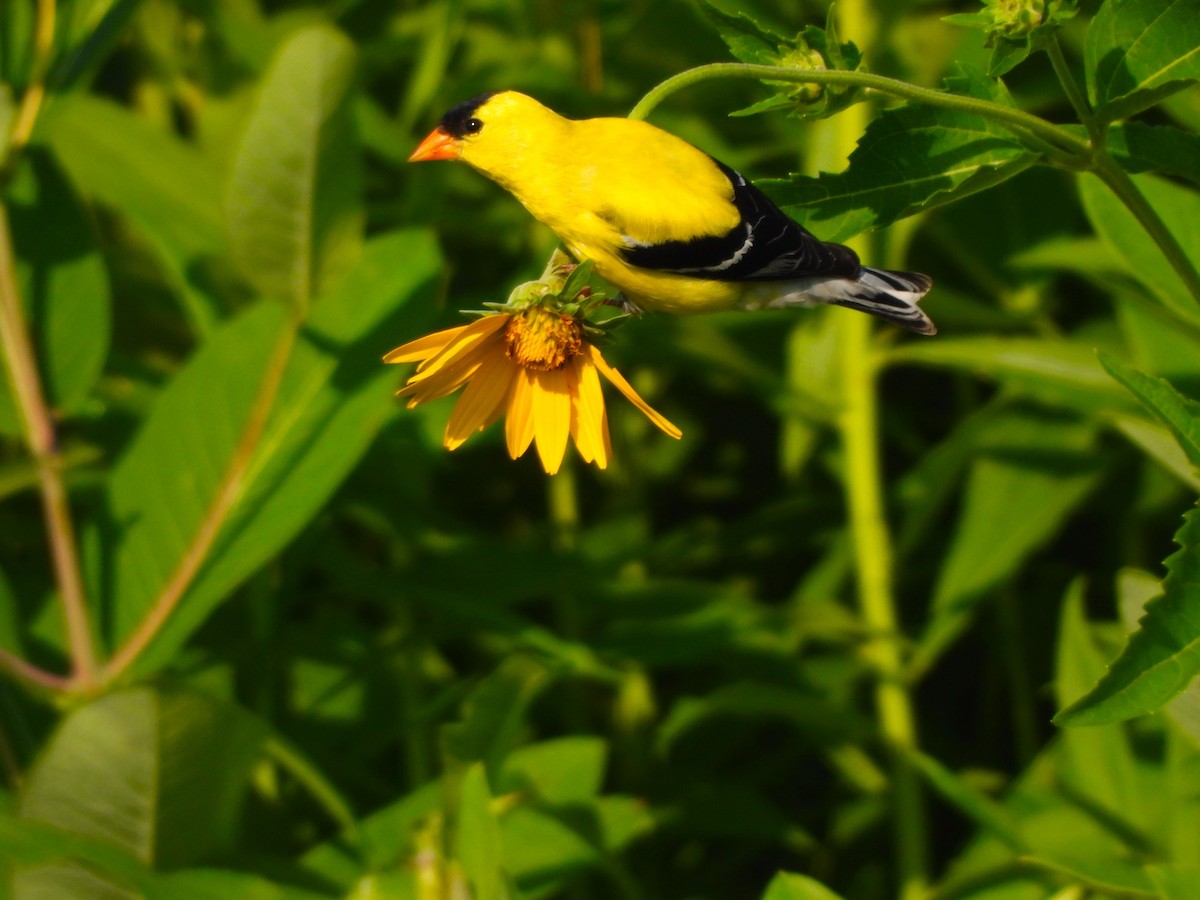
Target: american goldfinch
(670,226)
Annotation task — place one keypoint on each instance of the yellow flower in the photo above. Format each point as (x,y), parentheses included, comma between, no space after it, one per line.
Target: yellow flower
(536,366)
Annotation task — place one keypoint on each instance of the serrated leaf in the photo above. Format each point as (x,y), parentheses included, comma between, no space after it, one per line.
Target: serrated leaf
(1176,205)
(333,397)
(1007,55)
(1139,147)
(159,773)
(910,158)
(63,284)
(1163,656)
(1174,410)
(159,183)
(1137,53)
(293,201)
(746,39)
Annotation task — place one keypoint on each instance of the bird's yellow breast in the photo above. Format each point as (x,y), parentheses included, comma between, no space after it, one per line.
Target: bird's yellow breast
(603,185)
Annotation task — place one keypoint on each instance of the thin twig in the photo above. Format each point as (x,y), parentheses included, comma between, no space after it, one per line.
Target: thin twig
(996,112)
(38,428)
(226,496)
(31,675)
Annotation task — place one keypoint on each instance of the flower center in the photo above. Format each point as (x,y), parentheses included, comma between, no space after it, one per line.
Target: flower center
(540,339)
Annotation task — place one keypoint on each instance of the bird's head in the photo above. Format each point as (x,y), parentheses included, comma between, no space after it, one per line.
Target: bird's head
(492,132)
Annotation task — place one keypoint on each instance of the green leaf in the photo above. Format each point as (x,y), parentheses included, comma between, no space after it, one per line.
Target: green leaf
(562,771)
(63,285)
(1139,147)
(1177,206)
(334,397)
(160,773)
(1163,656)
(910,158)
(223,884)
(789,886)
(1137,53)
(747,40)
(161,489)
(493,713)
(1178,881)
(1061,372)
(1018,495)
(1166,404)
(1098,764)
(293,201)
(162,185)
(976,805)
(43,849)
(477,838)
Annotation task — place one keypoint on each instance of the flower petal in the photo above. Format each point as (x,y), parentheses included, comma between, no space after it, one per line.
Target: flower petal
(551,416)
(471,336)
(423,347)
(630,394)
(481,401)
(446,379)
(518,427)
(587,411)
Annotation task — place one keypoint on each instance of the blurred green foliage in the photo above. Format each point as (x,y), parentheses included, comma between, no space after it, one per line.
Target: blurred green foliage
(310,654)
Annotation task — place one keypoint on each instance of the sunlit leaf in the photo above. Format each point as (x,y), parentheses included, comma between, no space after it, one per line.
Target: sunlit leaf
(1176,205)
(333,399)
(789,886)
(477,841)
(293,204)
(1163,656)
(1098,764)
(1138,53)
(159,773)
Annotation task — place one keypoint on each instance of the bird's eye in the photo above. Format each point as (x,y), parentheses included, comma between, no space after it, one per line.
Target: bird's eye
(472,126)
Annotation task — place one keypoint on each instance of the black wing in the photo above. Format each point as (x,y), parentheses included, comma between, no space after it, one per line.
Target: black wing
(766,245)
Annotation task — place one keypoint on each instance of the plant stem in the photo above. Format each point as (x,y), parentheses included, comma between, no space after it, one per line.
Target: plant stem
(1119,182)
(1082,152)
(26,672)
(858,424)
(35,92)
(997,112)
(38,427)
(226,496)
(1074,94)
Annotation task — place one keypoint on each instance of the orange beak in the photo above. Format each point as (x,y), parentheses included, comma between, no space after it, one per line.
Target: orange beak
(439,145)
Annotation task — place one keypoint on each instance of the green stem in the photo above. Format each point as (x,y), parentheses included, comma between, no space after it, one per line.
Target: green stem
(228,493)
(997,112)
(20,366)
(1082,152)
(1074,94)
(859,424)
(1119,182)
(35,92)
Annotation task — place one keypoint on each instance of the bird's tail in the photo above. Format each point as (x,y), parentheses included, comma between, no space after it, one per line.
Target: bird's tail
(889,295)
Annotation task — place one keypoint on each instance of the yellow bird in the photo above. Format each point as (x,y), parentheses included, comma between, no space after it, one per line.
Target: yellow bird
(670,226)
